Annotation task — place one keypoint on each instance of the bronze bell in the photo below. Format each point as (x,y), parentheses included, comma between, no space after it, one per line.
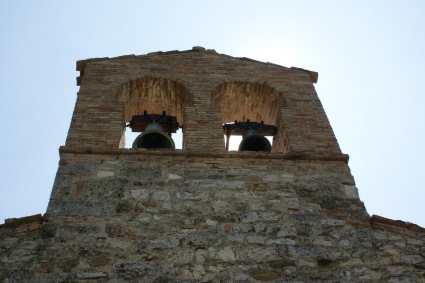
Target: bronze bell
(251,141)
(154,137)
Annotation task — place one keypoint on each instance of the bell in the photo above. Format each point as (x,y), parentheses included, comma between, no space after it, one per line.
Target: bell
(251,141)
(154,137)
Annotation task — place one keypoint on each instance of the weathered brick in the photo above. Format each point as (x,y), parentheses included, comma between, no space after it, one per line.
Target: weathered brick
(201,213)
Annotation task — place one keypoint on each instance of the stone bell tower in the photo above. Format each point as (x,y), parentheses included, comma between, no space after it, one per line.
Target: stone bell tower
(283,210)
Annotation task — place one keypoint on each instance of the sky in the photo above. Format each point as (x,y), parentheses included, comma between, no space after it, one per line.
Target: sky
(370,56)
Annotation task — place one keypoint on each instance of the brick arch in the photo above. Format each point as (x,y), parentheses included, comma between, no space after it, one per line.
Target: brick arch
(241,100)
(256,101)
(154,94)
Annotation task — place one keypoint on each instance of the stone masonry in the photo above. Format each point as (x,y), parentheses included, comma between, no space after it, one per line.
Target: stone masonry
(201,213)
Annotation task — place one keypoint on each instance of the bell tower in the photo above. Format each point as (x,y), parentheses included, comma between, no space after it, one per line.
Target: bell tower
(282,208)
(210,97)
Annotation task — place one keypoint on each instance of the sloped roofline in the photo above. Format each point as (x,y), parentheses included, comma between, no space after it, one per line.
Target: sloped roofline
(81,64)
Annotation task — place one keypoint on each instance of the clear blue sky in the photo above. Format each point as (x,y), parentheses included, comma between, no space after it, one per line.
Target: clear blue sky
(370,56)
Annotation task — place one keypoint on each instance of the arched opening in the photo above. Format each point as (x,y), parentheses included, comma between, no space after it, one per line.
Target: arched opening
(248,102)
(153,96)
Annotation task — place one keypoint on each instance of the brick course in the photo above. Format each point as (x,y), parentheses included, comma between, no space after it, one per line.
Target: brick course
(202,75)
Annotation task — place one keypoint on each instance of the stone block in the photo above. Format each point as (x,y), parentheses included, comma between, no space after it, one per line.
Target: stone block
(351,191)
(226,255)
(413,259)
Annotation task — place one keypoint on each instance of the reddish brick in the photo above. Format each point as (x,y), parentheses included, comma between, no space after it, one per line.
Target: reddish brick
(335,213)
(79,190)
(43,267)
(33,226)
(397,223)
(133,235)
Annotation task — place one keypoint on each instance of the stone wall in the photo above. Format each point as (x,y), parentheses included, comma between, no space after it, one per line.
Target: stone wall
(171,216)
(203,214)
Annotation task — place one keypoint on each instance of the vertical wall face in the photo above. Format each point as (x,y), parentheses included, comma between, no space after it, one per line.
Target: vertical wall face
(202,214)
(204,90)
(200,206)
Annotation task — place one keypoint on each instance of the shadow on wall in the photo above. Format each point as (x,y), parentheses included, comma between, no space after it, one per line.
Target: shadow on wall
(241,101)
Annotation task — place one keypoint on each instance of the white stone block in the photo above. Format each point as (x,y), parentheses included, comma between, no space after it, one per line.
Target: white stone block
(174,176)
(102,174)
(227,255)
(141,194)
(161,196)
(351,191)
